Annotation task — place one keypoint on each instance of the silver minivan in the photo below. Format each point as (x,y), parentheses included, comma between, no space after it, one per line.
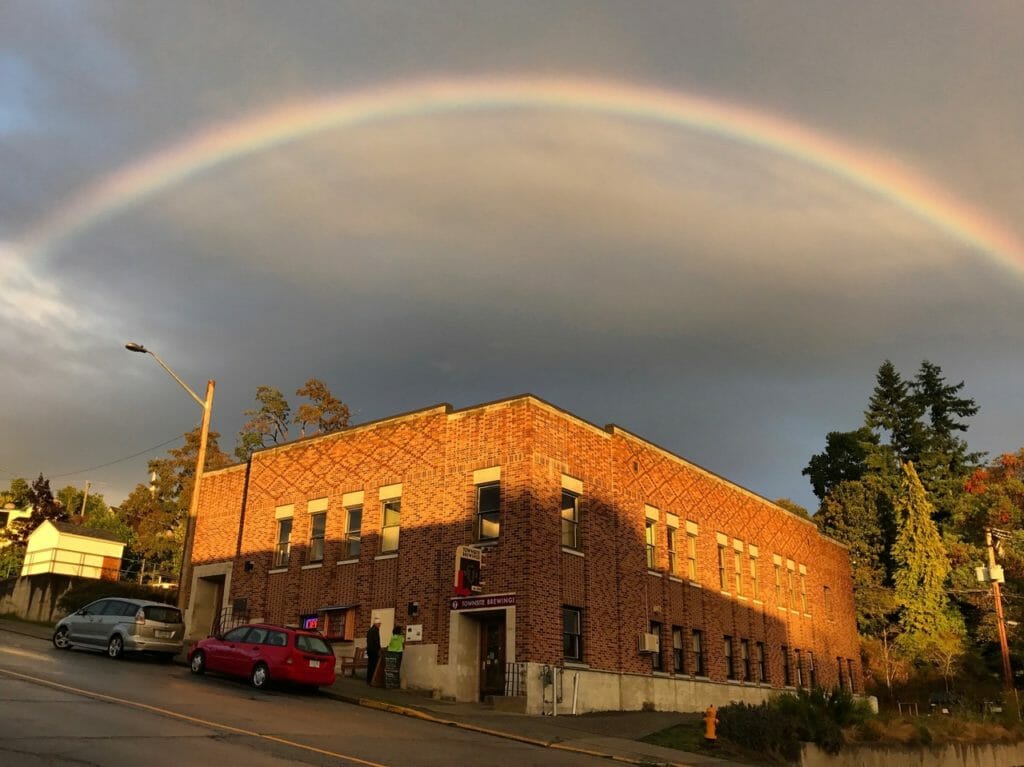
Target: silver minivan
(118,625)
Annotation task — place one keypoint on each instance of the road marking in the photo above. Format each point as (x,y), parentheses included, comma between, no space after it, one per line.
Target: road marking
(185,717)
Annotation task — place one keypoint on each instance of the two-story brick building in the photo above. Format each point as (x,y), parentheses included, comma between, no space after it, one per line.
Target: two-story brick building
(643,578)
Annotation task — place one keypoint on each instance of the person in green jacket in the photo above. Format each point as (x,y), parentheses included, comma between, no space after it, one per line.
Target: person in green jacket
(397,642)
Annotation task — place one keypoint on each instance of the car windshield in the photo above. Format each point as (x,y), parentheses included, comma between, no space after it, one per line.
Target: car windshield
(162,614)
(314,644)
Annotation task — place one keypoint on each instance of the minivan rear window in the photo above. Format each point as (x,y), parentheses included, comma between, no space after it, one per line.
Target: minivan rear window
(162,614)
(312,644)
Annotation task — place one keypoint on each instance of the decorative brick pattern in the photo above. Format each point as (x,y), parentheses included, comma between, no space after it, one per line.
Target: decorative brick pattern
(433,453)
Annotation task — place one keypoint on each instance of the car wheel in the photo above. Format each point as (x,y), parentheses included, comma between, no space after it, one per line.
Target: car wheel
(198,664)
(260,676)
(61,640)
(115,647)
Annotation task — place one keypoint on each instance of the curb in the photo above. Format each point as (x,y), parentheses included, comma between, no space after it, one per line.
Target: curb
(393,708)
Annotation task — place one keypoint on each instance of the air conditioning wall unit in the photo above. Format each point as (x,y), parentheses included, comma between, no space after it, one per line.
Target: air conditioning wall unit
(648,643)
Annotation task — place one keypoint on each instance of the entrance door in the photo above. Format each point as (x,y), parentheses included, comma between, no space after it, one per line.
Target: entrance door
(492,655)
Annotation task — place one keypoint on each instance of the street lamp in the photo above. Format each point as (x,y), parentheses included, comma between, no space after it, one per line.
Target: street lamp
(185,575)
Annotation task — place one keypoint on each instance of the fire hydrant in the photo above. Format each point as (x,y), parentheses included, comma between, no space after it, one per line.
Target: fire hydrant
(710,723)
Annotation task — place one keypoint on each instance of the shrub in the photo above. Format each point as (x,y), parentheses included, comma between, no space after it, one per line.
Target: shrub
(762,728)
(777,727)
(85,592)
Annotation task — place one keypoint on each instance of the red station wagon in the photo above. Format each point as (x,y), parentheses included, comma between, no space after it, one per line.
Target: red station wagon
(262,653)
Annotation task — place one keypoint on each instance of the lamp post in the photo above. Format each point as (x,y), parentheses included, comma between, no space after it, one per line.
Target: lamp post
(185,575)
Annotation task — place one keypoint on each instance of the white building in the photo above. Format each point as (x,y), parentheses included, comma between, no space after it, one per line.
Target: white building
(66,549)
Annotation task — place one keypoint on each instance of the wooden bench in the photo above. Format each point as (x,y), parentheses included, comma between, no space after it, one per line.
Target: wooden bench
(349,665)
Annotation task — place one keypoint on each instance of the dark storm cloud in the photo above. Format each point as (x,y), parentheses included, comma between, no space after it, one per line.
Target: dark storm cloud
(729,304)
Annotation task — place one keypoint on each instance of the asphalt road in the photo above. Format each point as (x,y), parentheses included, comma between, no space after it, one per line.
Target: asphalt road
(80,708)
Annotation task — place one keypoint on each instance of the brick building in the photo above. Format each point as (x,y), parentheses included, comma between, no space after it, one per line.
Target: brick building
(642,578)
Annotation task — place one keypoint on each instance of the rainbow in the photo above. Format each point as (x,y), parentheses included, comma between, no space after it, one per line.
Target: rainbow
(145,178)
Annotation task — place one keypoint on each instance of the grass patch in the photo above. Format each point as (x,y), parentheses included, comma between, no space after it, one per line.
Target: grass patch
(689,736)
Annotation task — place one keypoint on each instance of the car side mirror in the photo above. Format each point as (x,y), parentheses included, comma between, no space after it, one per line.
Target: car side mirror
(83,611)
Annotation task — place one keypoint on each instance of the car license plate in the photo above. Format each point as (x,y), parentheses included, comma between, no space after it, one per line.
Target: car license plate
(164,634)
(314,664)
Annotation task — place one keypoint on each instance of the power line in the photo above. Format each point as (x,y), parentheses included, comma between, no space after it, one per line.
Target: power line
(119,460)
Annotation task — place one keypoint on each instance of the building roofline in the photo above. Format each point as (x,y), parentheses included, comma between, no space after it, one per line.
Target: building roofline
(608,431)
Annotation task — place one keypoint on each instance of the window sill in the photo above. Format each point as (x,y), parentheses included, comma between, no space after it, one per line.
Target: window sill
(657,573)
(347,562)
(566,663)
(277,570)
(695,584)
(675,578)
(389,555)
(574,552)
(758,601)
(741,598)
(313,566)
(489,544)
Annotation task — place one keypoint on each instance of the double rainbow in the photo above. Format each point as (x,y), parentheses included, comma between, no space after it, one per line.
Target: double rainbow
(145,178)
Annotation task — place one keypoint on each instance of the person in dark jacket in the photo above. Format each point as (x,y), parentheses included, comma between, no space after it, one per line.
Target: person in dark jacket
(372,649)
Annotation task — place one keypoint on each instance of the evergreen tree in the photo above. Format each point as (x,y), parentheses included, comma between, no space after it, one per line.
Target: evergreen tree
(858,513)
(893,410)
(845,459)
(921,568)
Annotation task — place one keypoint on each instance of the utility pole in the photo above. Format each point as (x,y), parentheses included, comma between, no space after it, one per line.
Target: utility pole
(85,497)
(995,577)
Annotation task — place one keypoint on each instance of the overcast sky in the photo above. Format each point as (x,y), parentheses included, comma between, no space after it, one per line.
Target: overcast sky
(708,223)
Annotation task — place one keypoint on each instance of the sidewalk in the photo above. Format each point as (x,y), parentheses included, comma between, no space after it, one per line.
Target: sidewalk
(588,734)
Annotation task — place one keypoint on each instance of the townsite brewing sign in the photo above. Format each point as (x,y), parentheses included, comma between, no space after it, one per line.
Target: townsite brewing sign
(475,603)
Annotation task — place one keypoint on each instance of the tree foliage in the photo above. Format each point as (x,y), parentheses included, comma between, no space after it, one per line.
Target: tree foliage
(921,568)
(44,507)
(157,514)
(269,423)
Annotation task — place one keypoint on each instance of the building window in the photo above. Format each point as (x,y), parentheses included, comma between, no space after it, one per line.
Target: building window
(799,667)
(778,584)
(737,570)
(787,671)
(812,672)
(353,531)
(803,592)
(656,663)
(791,586)
(839,667)
(760,660)
(488,511)
(849,674)
(570,520)
(678,660)
(697,645)
(282,551)
(572,633)
(723,580)
(745,659)
(652,551)
(755,584)
(317,525)
(391,512)
(691,556)
(730,666)
(673,561)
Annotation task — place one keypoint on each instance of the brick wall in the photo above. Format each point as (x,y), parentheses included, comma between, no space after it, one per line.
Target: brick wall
(433,455)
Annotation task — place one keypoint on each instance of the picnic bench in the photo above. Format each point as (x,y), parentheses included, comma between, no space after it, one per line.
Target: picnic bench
(350,664)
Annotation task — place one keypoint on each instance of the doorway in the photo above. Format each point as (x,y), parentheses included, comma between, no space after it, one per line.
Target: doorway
(492,654)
